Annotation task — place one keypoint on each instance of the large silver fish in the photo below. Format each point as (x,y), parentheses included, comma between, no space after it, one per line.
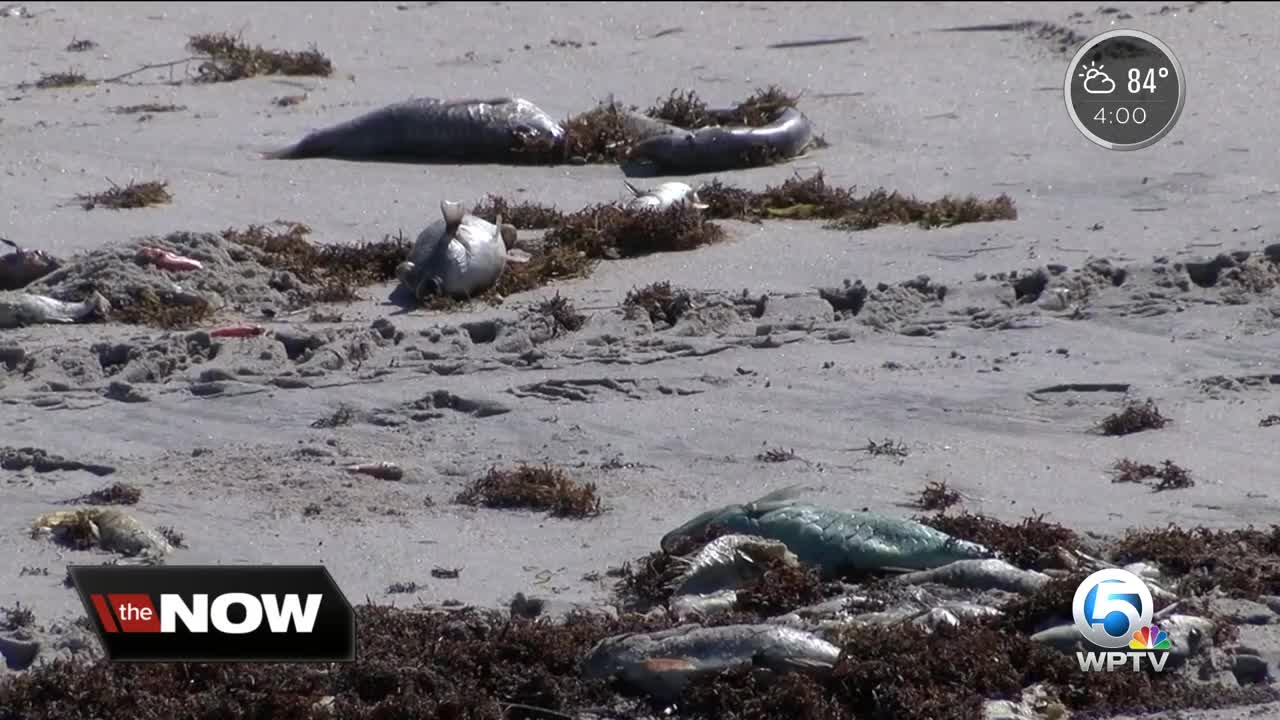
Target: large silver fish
(662,663)
(19,309)
(431,129)
(834,541)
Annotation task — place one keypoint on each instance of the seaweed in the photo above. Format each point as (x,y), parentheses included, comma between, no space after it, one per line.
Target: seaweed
(1134,418)
(133,195)
(535,488)
(335,270)
(660,301)
(1031,544)
(937,496)
(1240,563)
(813,198)
(230,58)
(115,494)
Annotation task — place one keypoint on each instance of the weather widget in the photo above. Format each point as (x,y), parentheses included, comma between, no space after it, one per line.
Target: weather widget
(1125,90)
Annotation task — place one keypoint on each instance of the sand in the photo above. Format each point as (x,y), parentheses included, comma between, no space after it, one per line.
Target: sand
(221,436)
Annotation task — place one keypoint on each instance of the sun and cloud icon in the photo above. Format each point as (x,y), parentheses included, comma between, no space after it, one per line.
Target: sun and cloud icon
(1097,82)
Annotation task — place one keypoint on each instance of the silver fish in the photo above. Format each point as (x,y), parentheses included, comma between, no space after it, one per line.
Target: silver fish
(666,195)
(703,605)
(728,562)
(19,309)
(989,574)
(458,256)
(663,663)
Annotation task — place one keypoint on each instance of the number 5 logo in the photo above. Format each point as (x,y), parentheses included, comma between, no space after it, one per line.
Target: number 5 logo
(1119,596)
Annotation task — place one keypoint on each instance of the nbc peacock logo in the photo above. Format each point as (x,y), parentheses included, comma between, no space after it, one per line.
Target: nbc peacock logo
(1150,637)
(1113,608)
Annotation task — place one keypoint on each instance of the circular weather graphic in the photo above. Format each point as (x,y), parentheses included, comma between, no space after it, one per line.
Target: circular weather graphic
(1125,90)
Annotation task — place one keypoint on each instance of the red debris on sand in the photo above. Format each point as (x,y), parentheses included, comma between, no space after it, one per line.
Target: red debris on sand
(238,331)
(166,260)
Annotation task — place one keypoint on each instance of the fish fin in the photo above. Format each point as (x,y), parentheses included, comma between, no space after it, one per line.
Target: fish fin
(10,243)
(518,256)
(634,190)
(790,492)
(452,212)
(282,153)
(509,234)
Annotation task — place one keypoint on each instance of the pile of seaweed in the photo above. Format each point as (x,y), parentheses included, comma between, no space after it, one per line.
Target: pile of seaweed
(274,268)
(486,664)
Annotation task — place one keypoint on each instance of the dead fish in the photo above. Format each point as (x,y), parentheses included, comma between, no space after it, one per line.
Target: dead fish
(108,528)
(662,663)
(435,130)
(382,470)
(953,615)
(459,256)
(989,574)
(1036,703)
(729,562)
(21,309)
(666,195)
(23,267)
(699,606)
(166,260)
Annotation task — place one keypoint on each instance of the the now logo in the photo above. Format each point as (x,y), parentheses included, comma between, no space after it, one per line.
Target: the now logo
(218,613)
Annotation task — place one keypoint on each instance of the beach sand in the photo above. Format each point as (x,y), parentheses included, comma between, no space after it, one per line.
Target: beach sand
(686,410)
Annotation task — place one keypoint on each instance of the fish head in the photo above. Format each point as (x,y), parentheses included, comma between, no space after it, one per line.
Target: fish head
(698,527)
(22,267)
(405,272)
(670,149)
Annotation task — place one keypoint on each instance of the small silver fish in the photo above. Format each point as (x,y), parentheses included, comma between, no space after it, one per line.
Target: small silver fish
(666,195)
(20,309)
(728,562)
(989,574)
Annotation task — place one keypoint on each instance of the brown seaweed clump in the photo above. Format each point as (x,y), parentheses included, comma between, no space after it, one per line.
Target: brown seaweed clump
(661,302)
(688,110)
(115,494)
(133,195)
(531,487)
(1134,418)
(813,198)
(937,496)
(1031,544)
(145,307)
(1170,476)
(562,313)
(577,241)
(230,58)
(50,81)
(1241,563)
(782,588)
(337,270)
(522,215)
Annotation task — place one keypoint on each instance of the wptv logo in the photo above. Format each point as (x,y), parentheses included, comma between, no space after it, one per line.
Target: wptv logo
(218,613)
(1113,609)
